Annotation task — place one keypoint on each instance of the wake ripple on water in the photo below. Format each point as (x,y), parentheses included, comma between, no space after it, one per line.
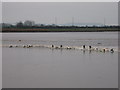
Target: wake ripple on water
(57,45)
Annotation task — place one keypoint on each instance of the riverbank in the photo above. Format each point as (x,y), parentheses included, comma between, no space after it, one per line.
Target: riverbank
(80,29)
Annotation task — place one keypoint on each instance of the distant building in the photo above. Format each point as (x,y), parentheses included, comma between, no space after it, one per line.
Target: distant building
(5,25)
(29,23)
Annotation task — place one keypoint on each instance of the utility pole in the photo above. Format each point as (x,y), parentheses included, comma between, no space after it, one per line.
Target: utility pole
(104,22)
(56,21)
(72,21)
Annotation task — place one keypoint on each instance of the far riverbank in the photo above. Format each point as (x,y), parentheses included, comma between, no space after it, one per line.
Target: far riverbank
(55,29)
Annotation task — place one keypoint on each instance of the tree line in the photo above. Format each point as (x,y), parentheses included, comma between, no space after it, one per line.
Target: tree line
(31,24)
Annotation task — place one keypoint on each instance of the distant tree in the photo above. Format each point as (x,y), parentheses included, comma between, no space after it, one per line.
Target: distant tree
(19,24)
(42,25)
(53,25)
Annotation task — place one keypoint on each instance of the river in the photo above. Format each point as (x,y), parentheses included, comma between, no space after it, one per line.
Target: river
(59,68)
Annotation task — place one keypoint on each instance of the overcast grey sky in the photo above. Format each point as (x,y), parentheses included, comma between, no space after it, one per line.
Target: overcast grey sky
(45,12)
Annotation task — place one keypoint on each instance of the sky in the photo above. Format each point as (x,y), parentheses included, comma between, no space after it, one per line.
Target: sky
(61,12)
(60,0)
